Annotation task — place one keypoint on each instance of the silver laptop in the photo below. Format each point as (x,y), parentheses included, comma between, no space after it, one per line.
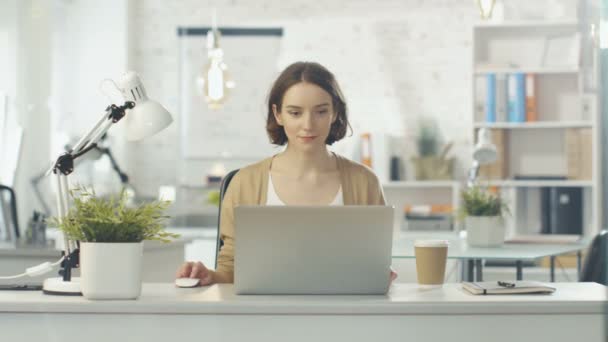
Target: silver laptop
(312,249)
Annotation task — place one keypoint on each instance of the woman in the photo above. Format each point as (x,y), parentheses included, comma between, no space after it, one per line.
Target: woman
(306,111)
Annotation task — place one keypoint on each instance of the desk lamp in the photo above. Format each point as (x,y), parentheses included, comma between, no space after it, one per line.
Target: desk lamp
(484,153)
(95,154)
(144,118)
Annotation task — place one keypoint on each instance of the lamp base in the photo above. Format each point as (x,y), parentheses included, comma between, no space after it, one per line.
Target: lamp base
(59,287)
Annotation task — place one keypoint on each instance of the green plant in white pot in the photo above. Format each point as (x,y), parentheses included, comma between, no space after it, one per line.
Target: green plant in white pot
(111,236)
(483,214)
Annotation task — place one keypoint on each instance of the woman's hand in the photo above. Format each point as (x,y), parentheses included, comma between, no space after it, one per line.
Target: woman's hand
(393,275)
(195,270)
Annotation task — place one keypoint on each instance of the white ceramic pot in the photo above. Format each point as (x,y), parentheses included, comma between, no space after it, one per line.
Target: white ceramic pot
(111,270)
(485,231)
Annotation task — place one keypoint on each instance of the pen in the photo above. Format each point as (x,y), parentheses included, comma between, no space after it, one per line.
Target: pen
(505,284)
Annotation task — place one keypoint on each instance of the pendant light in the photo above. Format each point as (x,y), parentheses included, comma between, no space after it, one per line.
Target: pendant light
(215,79)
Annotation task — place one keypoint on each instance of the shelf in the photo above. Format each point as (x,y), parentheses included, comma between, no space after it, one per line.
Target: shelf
(527,70)
(534,125)
(420,184)
(528,24)
(536,183)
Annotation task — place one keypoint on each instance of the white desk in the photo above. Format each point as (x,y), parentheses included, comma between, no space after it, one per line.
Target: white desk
(403,247)
(575,312)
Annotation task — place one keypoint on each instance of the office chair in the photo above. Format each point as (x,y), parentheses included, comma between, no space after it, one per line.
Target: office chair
(594,269)
(223,187)
(9,211)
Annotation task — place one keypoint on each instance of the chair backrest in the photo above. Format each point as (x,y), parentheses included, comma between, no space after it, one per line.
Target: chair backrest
(223,187)
(594,269)
(8,213)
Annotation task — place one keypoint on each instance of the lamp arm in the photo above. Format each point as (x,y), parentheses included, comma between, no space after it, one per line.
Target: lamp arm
(112,115)
(124,179)
(473,172)
(64,166)
(35,181)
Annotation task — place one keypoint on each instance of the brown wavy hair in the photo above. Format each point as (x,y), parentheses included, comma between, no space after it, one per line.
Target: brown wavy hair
(314,73)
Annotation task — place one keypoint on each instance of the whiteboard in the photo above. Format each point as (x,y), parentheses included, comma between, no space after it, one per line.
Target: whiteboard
(238,129)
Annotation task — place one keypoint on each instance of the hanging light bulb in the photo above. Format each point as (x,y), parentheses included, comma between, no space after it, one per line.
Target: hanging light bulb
(215,79)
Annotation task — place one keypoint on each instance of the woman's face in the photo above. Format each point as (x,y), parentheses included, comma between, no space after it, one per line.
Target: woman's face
(306,115)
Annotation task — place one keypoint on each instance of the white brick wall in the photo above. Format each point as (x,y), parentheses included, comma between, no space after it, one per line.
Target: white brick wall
(396,60)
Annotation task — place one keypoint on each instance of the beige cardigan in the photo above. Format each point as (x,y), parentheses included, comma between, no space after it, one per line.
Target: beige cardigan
(360,186)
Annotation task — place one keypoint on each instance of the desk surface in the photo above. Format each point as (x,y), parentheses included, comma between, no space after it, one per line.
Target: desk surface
(402,299)
(403,247)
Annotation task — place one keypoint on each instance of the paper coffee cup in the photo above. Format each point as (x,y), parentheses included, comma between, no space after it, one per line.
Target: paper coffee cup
(431,256)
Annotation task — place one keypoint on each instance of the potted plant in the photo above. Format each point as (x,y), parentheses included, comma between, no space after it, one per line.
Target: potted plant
(111,236)
(431,164)
(483,214)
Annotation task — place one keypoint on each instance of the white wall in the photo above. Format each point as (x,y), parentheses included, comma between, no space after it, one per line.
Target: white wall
(27,82)
(396,61)
(57,52)
(90,45)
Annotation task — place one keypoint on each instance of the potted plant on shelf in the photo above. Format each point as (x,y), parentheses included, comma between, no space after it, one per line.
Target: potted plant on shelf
(431,164)
(483,214)
(111,236)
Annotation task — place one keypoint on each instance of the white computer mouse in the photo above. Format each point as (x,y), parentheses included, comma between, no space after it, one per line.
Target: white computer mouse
(187,282)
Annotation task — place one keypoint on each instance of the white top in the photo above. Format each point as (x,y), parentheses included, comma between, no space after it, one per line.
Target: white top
(431,243)
(402,299)
(273,199)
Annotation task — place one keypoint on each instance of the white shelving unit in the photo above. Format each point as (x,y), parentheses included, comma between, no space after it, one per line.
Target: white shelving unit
(535,125)
(481,70)
(404,193)
(538,148)
(528,24)
(539,183)
(419,184)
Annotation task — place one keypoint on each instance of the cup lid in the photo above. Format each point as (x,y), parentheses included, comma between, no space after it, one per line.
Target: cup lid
(431,243)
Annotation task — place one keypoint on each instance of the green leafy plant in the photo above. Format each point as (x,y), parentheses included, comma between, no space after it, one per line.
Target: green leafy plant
(95,219)
(481,202)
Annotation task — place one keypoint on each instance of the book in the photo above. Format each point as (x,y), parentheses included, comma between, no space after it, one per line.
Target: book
(531,110)
(491,97)
(505,288)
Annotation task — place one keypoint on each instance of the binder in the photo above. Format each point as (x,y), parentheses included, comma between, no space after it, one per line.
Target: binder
(531,110)
(366,149)
(501,98)
(517,97)
(491,97)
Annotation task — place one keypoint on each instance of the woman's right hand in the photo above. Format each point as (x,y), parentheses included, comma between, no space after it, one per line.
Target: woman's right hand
(195,270)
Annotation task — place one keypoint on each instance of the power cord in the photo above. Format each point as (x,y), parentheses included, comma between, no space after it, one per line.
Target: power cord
(33,271)
(563,269)
(453,268)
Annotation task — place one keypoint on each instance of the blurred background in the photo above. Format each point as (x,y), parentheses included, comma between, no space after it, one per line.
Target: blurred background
(420,78)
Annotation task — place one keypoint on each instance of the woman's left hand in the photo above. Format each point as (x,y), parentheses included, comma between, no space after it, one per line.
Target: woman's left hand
(392,276)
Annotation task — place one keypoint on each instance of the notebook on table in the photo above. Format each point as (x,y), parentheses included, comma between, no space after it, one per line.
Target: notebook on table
(503,287)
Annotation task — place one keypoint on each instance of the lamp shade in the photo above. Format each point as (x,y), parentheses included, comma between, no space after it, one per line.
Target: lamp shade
(484,151)
(147,117)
